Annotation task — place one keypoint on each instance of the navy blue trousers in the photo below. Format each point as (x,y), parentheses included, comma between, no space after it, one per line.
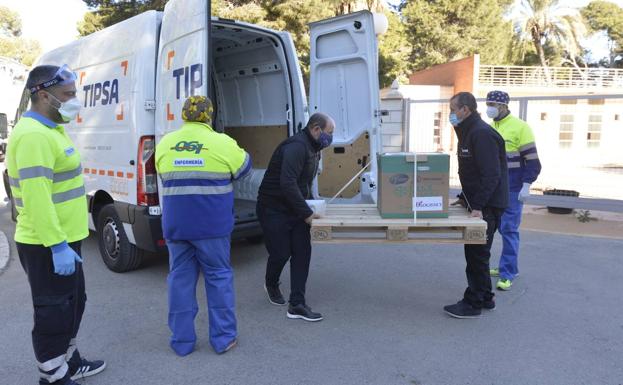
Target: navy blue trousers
(509,229)
(186,260)
(287,238)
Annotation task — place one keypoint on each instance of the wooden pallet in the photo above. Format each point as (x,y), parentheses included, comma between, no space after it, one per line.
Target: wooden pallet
(362,223)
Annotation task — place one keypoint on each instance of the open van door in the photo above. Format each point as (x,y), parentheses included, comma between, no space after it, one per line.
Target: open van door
(344,84)
(182,56)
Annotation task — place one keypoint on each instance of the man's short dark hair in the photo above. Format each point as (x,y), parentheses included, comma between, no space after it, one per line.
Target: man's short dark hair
(466,99)
(318,119)
(38,75)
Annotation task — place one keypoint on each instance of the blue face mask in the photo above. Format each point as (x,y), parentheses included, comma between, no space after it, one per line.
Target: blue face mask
(454,120)
(325,139)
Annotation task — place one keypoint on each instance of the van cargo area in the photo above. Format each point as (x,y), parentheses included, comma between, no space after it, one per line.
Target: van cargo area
(251,97)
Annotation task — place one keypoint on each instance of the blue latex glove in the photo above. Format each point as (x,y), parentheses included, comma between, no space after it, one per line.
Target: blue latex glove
(64,258)
(525,192)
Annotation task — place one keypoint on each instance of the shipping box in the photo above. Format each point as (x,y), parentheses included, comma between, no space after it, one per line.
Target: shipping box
(396,185)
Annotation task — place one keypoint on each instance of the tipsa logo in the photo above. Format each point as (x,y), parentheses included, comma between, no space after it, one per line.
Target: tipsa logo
(188,79)
(194,146)
(105,93)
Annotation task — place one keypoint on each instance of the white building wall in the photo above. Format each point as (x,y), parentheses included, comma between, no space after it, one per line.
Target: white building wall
(392,124)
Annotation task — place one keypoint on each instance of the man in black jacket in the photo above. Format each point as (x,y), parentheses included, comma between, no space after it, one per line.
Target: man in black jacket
(284,215)
(484,179)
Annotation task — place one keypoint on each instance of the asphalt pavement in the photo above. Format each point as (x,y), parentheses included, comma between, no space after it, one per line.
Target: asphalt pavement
(562,323)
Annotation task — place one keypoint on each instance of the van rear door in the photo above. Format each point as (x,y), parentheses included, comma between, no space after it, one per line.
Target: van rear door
(181,61)
(344,84)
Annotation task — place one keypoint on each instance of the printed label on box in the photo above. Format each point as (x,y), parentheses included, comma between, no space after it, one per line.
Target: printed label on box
(428,203)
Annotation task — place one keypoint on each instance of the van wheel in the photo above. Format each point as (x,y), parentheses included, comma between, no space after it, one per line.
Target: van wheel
(7,190)
(13,210)
(118,253)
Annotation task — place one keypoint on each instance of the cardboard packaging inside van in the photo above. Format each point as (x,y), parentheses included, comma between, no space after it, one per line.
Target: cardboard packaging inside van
(395,192)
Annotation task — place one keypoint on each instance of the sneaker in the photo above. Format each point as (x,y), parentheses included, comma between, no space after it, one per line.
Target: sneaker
(301,311)
(274,295)
(71,382)
(229,347)
(489,305)
(462,309)
(494,272)
(88,368)
(504,284)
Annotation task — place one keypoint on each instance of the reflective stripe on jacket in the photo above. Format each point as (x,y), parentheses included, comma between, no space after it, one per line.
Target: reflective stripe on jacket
(46,182)
(524,165)
(197,166)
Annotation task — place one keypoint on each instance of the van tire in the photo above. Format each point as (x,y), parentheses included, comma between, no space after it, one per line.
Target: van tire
(118,253)
(7,190)
(13,210)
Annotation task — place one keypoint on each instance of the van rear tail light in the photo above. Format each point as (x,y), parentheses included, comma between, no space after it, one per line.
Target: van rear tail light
(147,183)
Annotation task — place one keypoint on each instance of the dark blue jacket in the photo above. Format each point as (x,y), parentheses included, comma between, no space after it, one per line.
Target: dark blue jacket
(482,164)
(288,180)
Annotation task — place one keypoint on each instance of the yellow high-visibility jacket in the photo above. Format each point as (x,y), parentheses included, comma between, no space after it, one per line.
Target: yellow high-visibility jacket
(46,182)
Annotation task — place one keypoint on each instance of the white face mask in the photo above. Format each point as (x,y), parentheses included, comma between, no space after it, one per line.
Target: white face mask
(492,112)
(69,109)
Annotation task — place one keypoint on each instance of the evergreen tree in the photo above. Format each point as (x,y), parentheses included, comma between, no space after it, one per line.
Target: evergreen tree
(607,17)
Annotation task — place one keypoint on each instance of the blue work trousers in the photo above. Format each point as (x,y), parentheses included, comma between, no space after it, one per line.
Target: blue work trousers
(509,229)
(186,259)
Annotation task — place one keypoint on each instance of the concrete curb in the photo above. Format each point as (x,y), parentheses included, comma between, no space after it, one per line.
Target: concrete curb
(5,251)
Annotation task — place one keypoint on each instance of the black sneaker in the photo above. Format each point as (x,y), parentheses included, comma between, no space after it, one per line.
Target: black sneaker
(301,311)
(274,295)
(88,368)
(489,305)
(462,309)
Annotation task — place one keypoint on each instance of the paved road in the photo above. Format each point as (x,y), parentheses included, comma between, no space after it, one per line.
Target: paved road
(561,324)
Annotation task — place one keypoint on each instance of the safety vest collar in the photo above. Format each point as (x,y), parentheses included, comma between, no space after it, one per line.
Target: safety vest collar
(504,119)
(197,125)
(40,118)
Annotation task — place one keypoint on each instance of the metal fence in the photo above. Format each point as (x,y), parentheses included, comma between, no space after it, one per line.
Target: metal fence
(579,140)
(562,77)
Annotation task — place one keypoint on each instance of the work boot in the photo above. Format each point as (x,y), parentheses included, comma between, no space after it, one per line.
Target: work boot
(87,369)
(462,309)
(274,295)
(504,284)
(302,311)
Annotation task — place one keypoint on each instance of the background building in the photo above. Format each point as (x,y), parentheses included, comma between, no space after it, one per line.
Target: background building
(576,115)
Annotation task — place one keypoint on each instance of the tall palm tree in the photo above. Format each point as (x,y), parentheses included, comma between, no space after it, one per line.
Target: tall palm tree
(543,21)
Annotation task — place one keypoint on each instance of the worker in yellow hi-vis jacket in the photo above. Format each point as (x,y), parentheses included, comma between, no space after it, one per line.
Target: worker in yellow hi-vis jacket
(523,169)
(47,187)
(197,166)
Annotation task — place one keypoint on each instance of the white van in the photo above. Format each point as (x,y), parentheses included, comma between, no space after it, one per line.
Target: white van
(133,78)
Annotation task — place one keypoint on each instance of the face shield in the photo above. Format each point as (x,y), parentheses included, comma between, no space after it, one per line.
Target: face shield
(63,76)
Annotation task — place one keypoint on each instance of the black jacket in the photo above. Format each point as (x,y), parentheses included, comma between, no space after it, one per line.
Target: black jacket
(290,174)
(482,164)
